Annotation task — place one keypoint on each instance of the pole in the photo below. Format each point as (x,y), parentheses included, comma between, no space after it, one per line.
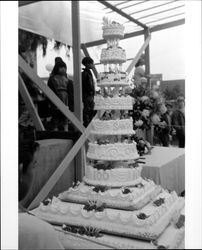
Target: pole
(78,106)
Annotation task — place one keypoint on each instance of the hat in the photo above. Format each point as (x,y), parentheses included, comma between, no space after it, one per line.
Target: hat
(87,60)
(58,59)
(60,64)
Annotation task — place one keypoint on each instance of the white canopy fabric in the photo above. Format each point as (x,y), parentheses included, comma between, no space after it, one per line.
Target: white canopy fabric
(52,19)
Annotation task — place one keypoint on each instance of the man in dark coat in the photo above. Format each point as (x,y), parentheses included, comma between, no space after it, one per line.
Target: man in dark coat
(88,91)
(178,121)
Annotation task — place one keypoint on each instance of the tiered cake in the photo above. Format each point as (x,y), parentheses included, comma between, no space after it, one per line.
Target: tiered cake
(113,197)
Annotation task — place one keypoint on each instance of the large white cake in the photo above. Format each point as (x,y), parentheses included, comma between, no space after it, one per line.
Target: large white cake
(113,199)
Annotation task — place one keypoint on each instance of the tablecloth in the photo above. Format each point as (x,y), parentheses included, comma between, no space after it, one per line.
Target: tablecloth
(166,167)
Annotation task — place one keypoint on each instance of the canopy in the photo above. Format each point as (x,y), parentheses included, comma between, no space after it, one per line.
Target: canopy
(53,19)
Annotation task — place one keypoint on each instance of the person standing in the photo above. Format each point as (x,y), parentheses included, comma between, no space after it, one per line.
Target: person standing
(58,83)
(88,91)
(164,126)
(178,121)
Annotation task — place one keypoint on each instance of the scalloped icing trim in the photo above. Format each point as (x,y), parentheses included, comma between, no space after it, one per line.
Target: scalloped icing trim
(114,177)
(112,127)
(113,55)
(113,152)
(111,103)
(112,79)
(132,201)
(113,31)
(113,217)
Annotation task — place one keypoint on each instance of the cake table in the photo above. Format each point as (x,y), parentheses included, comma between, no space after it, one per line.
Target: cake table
(166,167)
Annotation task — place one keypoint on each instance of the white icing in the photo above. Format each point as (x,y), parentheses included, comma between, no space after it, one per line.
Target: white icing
(113,103)
(117,177)
(112,79)
(113,30)
(126,222)
(113,55)
(113,152)
(113,127)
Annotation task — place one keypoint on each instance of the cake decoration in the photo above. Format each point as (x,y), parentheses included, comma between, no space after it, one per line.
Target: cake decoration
(126,190)
(181,221)
(102,189)
(88,231)
(159,202)
(142,216)
(94,205)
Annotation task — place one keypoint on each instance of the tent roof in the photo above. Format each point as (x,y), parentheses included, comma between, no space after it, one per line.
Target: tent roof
(52,19)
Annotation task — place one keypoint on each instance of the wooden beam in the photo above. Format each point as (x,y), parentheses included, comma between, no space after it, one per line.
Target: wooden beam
(160,19)
(108,5)
(153,7)
(78,104)
(167,25)
(137,57)
(68,135)
(62,167)
(102,41)
(30,105)
(159,12)
(50,94)
(86,53)
(22,3)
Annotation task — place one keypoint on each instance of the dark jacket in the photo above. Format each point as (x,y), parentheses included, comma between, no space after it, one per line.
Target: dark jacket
(178,122)
(88,89)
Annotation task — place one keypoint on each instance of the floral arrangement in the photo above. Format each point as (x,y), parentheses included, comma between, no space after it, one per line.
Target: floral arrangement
(146,107)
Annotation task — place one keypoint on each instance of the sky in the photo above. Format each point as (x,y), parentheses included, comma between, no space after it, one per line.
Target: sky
(166,54)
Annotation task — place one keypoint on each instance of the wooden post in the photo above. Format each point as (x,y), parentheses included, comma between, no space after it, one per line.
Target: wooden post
(137,57)
(147,56)
(30,105)
(78,104)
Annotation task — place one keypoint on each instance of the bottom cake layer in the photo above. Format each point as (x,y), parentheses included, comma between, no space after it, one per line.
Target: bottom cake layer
(171,238)
(147,223)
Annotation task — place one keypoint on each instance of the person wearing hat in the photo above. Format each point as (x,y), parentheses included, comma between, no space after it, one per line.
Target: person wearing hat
(58,83)
(178,121)
(88,91)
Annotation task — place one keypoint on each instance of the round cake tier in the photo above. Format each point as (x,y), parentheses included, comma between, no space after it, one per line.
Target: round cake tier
(113,152)
(113,127)
(117,177)
(113,103)
(115,55)
(112,79)
(112,31)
